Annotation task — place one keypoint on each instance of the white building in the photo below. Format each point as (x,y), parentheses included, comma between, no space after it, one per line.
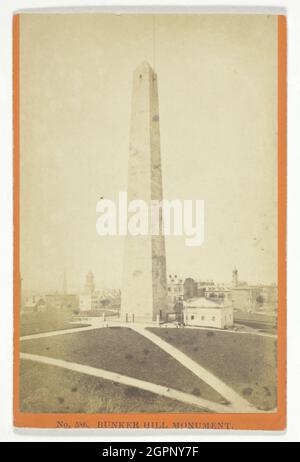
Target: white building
(203,312)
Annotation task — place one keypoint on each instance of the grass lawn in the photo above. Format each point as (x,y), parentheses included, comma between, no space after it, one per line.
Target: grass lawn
(124,351)
(248,363)
(259,321)
(49,389)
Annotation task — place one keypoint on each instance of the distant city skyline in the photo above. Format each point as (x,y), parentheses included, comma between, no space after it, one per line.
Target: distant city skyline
(218,123)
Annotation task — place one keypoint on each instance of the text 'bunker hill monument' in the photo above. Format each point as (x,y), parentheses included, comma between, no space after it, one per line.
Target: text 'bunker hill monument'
(144,288)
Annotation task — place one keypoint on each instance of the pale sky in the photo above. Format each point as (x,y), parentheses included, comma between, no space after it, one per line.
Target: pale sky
(217,85)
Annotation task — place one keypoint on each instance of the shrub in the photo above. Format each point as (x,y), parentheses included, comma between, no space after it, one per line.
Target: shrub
(247,391)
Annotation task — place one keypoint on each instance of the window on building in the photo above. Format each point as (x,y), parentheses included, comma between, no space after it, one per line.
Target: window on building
(192,318)
(202,318)
(213,318)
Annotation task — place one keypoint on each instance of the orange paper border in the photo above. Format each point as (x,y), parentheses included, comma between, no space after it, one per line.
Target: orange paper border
(276,421)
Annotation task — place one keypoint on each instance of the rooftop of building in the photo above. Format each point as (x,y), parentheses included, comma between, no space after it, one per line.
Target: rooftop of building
(202,302)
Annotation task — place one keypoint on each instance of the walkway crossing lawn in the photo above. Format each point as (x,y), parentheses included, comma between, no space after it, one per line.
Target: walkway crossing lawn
(49,389)
(31,329)
(247,363)
(122,350)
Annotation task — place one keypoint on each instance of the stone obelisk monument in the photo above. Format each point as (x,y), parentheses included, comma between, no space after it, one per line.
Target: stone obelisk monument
(144,288)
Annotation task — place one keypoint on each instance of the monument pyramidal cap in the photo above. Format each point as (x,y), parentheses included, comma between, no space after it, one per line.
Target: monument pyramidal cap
(144,287)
